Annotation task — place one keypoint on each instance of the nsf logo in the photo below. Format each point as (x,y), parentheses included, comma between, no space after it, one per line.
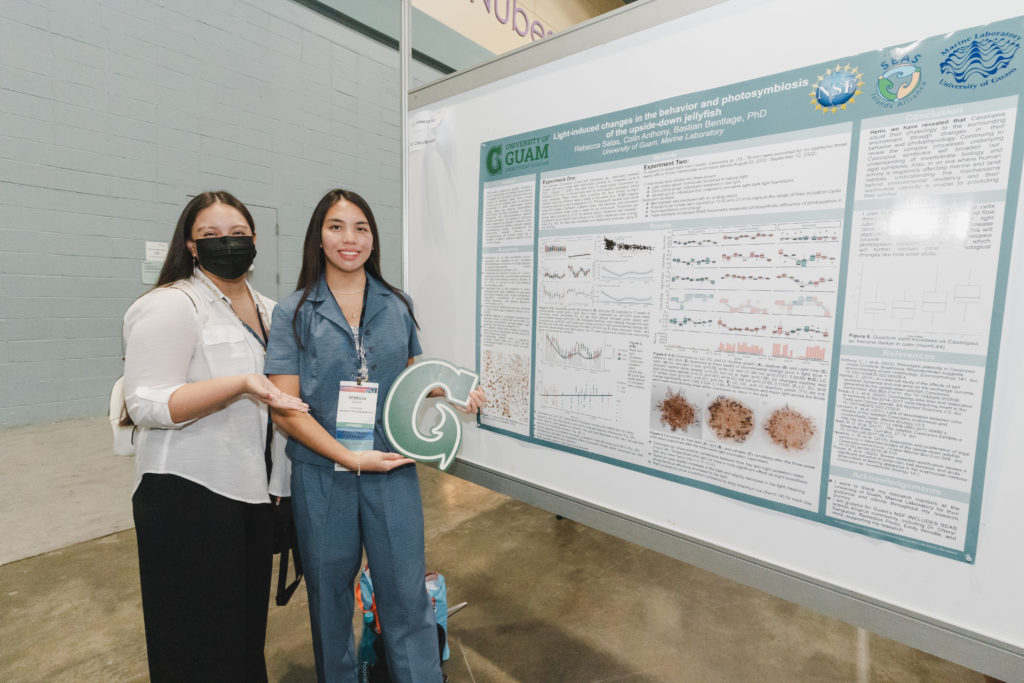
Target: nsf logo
(836,88)
(493,160)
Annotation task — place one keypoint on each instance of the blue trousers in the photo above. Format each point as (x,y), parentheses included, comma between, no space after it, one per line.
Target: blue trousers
(337,514)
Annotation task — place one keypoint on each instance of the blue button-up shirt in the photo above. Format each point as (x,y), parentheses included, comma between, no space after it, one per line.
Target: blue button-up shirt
(328,354)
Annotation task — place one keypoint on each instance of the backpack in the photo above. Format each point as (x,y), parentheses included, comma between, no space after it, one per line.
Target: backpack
(373,666)
(124,436)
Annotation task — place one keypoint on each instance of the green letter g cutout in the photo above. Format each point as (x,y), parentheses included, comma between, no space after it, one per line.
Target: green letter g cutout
(403,406)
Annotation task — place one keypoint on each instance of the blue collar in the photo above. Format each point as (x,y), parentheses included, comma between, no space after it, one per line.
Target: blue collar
(325,305)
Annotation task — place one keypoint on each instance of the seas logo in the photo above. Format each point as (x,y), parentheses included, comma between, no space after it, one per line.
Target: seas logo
(899,83)
(517,155)
(979,60)
(837,88)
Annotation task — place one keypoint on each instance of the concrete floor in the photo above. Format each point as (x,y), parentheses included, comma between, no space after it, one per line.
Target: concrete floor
(550,600)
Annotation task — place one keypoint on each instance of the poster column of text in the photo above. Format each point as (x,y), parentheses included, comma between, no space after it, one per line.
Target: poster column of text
(506,302)
(928,224)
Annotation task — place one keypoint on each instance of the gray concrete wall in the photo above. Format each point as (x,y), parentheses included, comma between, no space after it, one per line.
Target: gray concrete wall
(112,112)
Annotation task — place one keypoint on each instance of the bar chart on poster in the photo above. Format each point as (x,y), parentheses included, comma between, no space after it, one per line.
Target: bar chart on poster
(765,303)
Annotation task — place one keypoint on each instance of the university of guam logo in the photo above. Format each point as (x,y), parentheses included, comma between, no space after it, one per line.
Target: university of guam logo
(518,155)
(899,82)
(979,60)
(402,410)
(837,88)
(493,160)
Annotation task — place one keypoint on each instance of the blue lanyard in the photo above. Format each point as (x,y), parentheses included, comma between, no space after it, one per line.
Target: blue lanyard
(363,374)
(259,312)
(263,328)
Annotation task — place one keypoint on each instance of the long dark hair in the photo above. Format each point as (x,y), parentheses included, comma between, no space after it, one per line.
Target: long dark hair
(313,260)
(179,263)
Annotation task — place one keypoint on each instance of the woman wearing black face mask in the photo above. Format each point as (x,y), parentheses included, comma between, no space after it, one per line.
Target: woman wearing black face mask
(194,383)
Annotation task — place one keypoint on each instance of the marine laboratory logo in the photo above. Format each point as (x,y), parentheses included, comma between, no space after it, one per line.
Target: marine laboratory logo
(899,83)
(979,60)
(836,88)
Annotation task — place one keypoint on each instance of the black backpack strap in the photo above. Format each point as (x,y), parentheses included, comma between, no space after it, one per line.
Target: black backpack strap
(268,457)
(284,589)
(284,592)
(184,289)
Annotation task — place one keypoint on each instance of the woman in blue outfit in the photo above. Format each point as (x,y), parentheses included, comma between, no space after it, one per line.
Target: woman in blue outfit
(343,324)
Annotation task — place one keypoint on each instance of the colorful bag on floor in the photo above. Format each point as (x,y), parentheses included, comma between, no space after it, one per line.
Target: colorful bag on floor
(438,592)
(373,666)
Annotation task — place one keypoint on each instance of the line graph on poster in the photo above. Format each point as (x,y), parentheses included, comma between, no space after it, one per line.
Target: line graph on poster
(815,232)
(797,327)
(789,349)
(814,305)
(569,272)
(761,279)
(573,351)
(624,294)
(619,272)
(565,293)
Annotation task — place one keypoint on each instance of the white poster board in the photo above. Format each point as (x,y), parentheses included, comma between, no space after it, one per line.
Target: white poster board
(964,610)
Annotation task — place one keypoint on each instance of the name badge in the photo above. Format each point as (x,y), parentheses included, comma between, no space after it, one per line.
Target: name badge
(357,411)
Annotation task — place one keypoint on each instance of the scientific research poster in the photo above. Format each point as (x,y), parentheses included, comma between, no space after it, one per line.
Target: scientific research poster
(787,291)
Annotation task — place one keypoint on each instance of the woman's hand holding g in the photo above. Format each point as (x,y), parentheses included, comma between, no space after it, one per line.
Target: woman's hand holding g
(379,461)
(263,389)
(477,399)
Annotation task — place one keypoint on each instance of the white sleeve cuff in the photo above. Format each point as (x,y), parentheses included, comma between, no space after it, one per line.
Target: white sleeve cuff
(150,407)
(281,473)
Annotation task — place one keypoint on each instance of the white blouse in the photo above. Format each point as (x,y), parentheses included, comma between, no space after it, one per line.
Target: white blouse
(187,332)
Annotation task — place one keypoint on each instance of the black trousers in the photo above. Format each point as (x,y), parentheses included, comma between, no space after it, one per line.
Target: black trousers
(205,565)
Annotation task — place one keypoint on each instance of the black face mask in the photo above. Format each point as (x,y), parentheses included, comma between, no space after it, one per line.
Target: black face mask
(226,257)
